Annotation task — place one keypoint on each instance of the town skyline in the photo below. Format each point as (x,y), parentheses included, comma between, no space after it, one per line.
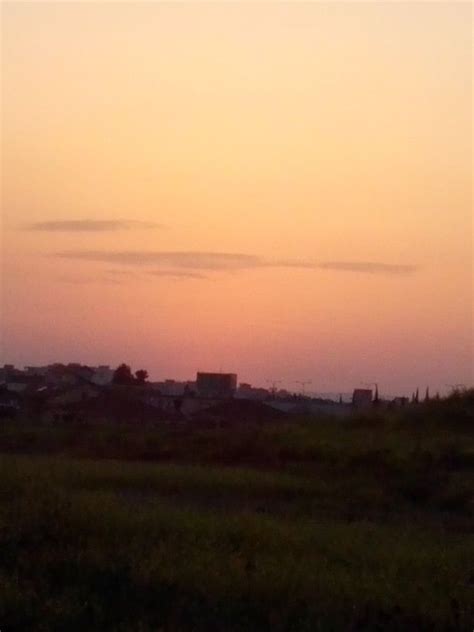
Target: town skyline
(102,374)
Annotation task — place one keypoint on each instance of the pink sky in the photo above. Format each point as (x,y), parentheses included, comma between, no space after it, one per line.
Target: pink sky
(279,190)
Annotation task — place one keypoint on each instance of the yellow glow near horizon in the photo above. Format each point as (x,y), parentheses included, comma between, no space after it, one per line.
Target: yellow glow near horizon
(313,134)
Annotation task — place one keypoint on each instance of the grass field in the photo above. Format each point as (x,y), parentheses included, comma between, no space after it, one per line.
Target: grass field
(359,525)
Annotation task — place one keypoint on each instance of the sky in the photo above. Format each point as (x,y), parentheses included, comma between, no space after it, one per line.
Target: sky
(281,190)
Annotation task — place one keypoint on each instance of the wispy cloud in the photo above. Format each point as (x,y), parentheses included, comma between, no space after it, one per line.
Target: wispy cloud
(186,259)
(178,274)
(120,272)
(89,281)
(173,263)
(90,225)
(368,267)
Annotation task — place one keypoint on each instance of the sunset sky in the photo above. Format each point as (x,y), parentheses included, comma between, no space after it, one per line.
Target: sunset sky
(281,190)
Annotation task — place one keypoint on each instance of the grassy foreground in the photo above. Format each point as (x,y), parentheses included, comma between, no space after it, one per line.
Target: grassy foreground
(366,525)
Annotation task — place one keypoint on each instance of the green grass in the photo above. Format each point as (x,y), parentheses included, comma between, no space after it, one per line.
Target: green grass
(367,525)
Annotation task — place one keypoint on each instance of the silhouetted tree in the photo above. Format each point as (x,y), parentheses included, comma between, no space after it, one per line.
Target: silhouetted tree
(417,396)
(123,375)
(141,376)
(427,394)
(376,396)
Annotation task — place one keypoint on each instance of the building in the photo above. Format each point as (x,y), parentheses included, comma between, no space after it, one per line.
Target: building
(61,374)
(362,397)
(10,403)
(8,372)
(103,375)
(175,388)
(220,385)
(247,391)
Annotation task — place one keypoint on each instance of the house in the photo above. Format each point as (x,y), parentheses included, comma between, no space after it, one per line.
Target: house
(72,373)
(10,403)
(74,394)
(174,388)
(23,383)
(8,372)
(247,391)
(102,375)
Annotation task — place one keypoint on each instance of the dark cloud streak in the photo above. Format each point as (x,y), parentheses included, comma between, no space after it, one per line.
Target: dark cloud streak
(186,259)
(220,261)
(88,225)
(367,267)
(89,281)
(178,274)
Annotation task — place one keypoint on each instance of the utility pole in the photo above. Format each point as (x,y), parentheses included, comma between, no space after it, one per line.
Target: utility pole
(273,385)
(303,385)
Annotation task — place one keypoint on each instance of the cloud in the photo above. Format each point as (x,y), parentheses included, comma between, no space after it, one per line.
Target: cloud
(293,263)
(186,259)
(174,262)
(368,267)
(89,225)
(89,281)
(119,277)
(121,273)
(178,274)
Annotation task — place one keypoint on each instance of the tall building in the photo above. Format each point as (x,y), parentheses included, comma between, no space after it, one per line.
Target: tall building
(362,397)
(221,385)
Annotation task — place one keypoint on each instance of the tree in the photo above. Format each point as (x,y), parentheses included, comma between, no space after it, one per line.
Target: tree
(141,376)
(123,375)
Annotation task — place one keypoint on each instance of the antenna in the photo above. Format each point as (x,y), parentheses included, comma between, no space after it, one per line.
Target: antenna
(273,385)
(303,383)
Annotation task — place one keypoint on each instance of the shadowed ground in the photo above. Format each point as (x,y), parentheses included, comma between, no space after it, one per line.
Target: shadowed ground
(360,525)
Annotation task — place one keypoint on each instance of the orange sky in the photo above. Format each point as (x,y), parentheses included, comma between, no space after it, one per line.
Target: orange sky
(280,190)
